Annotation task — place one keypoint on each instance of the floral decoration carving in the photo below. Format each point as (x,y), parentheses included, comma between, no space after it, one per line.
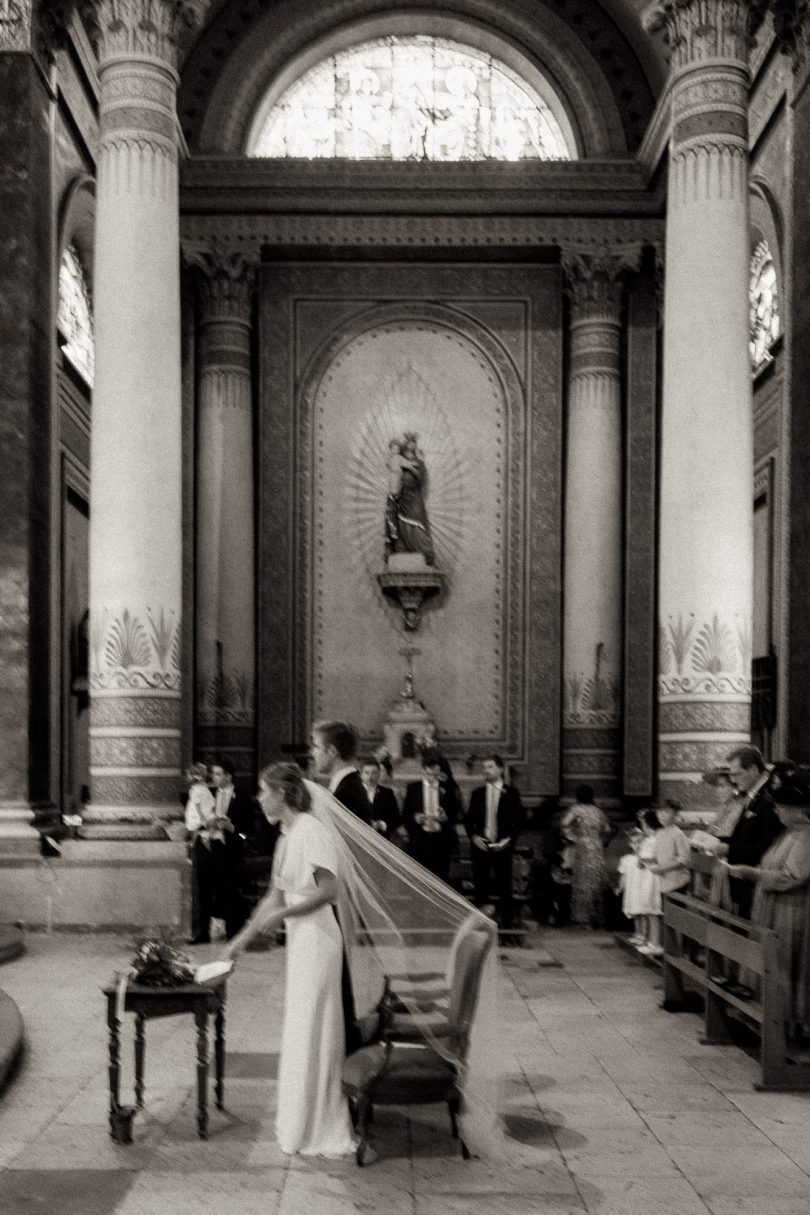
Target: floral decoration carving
(224,696)
(712,657)
(129,650)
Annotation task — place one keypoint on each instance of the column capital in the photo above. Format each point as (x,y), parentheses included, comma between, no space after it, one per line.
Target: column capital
(700,30)
(155,28)
(594,275)
(226,279)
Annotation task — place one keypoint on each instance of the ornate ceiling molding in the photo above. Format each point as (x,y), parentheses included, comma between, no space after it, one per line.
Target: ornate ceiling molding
(249,234)
(220,184)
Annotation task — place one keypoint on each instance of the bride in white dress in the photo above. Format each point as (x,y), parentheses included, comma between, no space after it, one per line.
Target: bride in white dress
(312,1116)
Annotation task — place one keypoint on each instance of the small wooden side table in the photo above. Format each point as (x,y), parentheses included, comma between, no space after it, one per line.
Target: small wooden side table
(198,999)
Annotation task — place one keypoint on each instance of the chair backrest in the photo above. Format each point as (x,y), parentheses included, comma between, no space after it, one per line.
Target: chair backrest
(471,955)
(471,924)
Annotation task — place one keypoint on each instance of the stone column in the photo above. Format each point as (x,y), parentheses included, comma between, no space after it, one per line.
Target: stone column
(28,724)
(706,531)
(135,526)
(592,605)
(225,541)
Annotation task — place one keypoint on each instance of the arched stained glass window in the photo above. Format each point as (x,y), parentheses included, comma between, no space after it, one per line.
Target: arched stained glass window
(74,316)
(412,98)
(763,300)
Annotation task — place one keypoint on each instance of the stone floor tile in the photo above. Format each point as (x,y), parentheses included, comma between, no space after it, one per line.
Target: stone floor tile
(775,1205)
(87,1147)
(69,1191)
(249,1193)
(528,1203)
(348,1192)
(640,1196)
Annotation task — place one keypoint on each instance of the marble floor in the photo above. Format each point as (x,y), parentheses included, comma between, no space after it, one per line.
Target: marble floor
(610,1105)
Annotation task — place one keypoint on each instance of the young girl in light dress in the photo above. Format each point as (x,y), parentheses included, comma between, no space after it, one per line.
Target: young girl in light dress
(647,886)
(628,886)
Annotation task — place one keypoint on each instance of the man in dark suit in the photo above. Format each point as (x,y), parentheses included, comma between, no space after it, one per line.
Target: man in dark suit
(492,822)
(758,825)
(384,813)
(334,753)
(231,824)
(431,810)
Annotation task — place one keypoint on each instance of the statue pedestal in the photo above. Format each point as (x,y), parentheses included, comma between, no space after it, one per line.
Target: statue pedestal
(407,727)
(410,580)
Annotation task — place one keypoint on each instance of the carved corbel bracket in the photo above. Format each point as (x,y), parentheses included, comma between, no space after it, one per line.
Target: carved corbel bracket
(410,589)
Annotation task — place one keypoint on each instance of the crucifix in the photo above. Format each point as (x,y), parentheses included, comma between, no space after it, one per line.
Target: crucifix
(409,652)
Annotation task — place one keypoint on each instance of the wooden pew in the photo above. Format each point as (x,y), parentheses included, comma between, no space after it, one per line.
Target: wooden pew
(701,943)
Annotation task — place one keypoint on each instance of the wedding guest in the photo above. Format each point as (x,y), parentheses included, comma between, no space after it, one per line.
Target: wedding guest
(649,892)
(629,886)
(781,899)
(199,811)
(758,825)
(430,812)
(727,807)
(493,822)
(588,828)
(312,1114)
(233,824)
(383,813)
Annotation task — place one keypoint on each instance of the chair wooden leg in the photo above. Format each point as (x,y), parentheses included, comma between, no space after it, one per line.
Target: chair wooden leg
(454,1107)
(361,1127)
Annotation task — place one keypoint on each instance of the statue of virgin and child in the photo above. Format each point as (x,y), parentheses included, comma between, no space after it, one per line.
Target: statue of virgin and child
(407,529)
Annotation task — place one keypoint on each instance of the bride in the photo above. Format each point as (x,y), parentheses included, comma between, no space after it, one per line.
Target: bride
(356,910)
(312,1115)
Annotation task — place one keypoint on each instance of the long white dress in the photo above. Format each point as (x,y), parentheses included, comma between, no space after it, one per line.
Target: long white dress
(312,1116)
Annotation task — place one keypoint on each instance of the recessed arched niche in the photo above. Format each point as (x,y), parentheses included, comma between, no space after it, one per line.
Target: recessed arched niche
(229,87)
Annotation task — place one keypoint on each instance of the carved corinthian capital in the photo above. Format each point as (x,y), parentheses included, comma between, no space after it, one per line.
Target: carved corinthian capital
(225,280)
(144,27)
(594,276)
(698,30)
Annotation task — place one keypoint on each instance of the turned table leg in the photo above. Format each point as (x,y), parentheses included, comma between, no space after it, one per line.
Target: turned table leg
(219,1047)
(114,1065)
(201,1017)
(140,1054)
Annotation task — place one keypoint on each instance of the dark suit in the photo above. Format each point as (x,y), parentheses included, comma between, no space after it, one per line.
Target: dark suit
(385,808)
(756,829)
(351,793)
(433,849)
(488,864)
(218,866)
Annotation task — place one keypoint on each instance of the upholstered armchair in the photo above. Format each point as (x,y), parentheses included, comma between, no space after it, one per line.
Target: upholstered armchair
(419,1058)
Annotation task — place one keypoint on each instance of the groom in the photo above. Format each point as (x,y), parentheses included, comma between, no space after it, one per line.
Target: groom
(334,753)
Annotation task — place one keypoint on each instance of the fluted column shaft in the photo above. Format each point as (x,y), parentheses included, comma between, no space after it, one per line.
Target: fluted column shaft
(706,536)
(592,624)
(135,529)
(225,586)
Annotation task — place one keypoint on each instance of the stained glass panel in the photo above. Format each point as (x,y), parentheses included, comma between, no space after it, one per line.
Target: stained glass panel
(763,299)
(417,98)
(74,317)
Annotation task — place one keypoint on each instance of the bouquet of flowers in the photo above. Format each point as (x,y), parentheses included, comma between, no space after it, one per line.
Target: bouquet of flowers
(158,964)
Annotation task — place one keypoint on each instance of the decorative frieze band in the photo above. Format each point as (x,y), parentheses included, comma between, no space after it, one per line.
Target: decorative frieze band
(248,233)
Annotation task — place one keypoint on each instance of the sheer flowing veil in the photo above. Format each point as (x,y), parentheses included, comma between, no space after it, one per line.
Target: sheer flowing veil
(399,920)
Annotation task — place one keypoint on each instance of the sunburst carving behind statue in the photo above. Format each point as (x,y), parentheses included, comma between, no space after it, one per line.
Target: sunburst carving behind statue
(406,402)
